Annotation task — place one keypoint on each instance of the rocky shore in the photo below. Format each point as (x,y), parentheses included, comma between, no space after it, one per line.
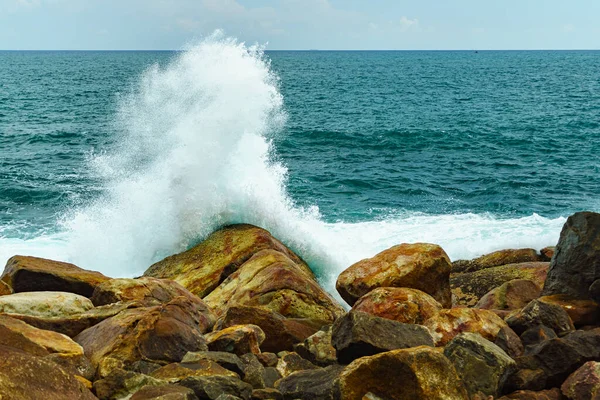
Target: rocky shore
(241,316)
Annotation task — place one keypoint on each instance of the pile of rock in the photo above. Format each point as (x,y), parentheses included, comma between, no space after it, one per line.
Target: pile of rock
(241,316)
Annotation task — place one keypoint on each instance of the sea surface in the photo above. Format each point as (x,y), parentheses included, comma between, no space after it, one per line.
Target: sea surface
(114,160)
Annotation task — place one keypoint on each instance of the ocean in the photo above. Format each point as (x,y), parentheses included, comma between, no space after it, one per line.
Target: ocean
(114,160)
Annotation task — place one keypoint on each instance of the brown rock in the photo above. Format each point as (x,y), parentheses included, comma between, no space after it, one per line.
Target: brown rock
(202,268)
(312,384)
(161,334)
(211,387)
(410,306)
(583,384)
(5,289)
(45,304)
(495,259)
(536,335)
(510,295)
(318,348)
(527,379)
(582,312)
(292,362)
(550,394)
(76,364)
(167,392)
(267,359)
(237,339)
(266,394)
(509,341)
(547,252)
(411,374)
(176,372)
(25,376)
(121,384)
(280,333)
(449,323)
(541,313)
(226,360)
(468,288)
(32,274)
(273,281)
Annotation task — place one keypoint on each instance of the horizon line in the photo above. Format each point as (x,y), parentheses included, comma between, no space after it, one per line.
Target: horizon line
(305,50)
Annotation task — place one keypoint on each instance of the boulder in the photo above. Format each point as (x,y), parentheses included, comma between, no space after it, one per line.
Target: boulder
(203,267)
(25,376)
(167,392)
(33,274)
(509,341)
(468,288)
(161,334)
(358,334)
(576,262)
(5,289)
(511,295)
(449,323)
(318,348)
(280,333)
(541,313)
(550,394)
(406,374)
(583,384)
(176,372)
(121,384)
(420,266)
(482,366)
(238,339)
(267,359)
(536,335)
(273,281)
(45,304)
(547,253)
(581,311)
(495,259)
(254,371)
(266,394)
(211,387)
(292,362)
(313,384)
(226,360)
(410,306)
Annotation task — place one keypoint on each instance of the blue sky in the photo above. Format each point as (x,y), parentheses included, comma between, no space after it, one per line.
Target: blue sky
(301,24)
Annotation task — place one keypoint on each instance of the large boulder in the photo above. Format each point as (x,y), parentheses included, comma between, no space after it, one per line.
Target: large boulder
(237,339)
(45,304)
(274,282)
(312,384)
(582,311)
(541,313)
(203,267)
(495,259)
(420,266)
(469,287)
(226,360)
(5,289)
(410,306)
(419,373)
(161,334)
(583,384)
(482,366)
(510,295)
(449,323)
(358,334)
(121,384)
(25,376)
(576,262)
(291,362)
(33,274)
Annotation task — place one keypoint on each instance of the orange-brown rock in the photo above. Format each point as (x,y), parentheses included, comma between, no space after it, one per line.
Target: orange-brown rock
(420,266)
(237,339)
(541,313)
(510,295)
(583,384)
(33,274)
(449,323)
(550,394)
(167,392)
(176,372)
(419,373)
(582,312)
(410,306)
(547,252)
(161,334)
(205,266)
(273,281)
(496,259)
(121,384)
(5,289)
(468,288)
(280,333)
(25,376)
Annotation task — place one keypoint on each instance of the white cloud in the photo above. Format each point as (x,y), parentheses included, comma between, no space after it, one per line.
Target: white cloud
(407,24)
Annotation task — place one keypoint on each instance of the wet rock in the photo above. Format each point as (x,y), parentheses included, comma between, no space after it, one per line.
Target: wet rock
(469,288)
(226,360)
(359,334)
(280,333)
(122,384)
(482,366)
(5,289)
(583,384)
(541,313)
(576,262)
(550,394)
(33,274)
(211,387)
(25,376)
(510,342)
(318,348)
(582,312)
(238,339)
(266,394)
(45,304)
(410,306)
(510,295)
(273,281)
(161,334)
(415,373)
(314,384)
(495,259)
(292,362)
(449,323)
(167,392)
(547,253)
(536,335)
(420,266)
(176,372)
(202,268)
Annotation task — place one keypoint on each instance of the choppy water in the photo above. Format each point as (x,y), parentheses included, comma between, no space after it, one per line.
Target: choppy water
(113,160)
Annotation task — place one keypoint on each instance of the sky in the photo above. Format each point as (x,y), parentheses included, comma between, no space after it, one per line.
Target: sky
(301,24)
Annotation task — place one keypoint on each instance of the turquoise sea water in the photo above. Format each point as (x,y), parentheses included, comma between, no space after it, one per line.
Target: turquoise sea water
(113,160)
